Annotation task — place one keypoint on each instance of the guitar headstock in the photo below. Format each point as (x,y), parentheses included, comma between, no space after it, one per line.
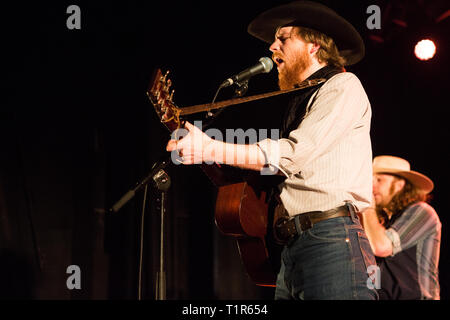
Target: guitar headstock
(162,99)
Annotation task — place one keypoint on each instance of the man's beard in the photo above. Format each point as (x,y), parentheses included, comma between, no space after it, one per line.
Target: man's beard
(384,206)
(289,76)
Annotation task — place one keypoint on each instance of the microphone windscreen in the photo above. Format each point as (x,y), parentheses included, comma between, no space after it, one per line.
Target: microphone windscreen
(267,63)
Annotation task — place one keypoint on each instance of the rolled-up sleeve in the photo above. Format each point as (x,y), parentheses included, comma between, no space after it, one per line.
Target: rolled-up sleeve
(338,106)
(394,237)
(416,223)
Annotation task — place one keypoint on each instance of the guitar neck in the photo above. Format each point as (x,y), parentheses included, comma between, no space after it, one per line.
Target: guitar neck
(227,103)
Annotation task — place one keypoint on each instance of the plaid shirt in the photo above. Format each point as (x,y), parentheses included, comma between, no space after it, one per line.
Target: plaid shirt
(416,239)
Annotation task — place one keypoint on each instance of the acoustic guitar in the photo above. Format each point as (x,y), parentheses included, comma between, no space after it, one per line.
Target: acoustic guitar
(243,208)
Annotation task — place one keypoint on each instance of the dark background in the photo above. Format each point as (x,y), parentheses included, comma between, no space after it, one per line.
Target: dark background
(77,132)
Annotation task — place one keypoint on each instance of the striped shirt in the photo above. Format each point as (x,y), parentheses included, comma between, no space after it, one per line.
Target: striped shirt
(328,158)
(412,270)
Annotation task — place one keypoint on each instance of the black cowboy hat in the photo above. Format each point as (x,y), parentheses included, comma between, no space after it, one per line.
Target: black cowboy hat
(311,15)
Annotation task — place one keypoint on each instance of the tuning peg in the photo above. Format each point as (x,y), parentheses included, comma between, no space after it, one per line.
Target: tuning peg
(165,76)
(167,86)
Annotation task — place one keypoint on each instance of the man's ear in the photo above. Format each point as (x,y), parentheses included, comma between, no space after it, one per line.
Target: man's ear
(314,48)
(399,184)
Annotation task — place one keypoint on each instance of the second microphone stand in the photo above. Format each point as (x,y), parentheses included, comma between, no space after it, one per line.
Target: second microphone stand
(161,180)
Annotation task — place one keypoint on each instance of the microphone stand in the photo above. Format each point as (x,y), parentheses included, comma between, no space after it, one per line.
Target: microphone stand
(162,182)
(158,167)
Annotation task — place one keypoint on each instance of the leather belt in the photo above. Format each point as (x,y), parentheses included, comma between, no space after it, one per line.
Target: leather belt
(285,229)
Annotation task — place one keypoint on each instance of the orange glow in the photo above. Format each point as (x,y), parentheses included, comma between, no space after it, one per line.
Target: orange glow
(425,49)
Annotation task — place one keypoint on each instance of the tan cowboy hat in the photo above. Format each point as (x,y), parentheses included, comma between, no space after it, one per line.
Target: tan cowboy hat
(401,167)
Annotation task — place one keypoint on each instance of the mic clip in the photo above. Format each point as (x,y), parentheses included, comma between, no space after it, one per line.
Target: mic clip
(233,81)
(241,88)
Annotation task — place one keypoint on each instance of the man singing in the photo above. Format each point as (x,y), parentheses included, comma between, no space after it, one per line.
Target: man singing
(325,153)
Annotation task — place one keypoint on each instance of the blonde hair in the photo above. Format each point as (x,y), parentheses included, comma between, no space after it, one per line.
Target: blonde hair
(407,196)
(403,199)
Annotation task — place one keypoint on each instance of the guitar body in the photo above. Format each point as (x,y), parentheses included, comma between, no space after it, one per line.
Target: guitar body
(244,212)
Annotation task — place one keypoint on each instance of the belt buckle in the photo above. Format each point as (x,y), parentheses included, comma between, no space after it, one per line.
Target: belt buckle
(282,237)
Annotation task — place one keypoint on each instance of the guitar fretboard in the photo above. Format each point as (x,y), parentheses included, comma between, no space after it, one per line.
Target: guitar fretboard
(222,104)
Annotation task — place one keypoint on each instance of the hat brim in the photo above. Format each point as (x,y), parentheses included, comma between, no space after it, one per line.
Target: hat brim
(315,16)
(415,178)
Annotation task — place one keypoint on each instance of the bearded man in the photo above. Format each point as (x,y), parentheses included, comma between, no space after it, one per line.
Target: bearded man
(325,153)
(404,231)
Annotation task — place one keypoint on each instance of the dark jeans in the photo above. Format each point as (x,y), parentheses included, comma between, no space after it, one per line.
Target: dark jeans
(329,261)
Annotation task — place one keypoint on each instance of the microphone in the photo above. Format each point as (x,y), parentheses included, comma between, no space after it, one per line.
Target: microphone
(264,65)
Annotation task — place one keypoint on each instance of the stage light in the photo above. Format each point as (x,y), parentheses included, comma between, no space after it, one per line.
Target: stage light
(425,49)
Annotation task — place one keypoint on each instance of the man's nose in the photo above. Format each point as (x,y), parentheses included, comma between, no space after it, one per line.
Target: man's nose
(275,46)
(374,186)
